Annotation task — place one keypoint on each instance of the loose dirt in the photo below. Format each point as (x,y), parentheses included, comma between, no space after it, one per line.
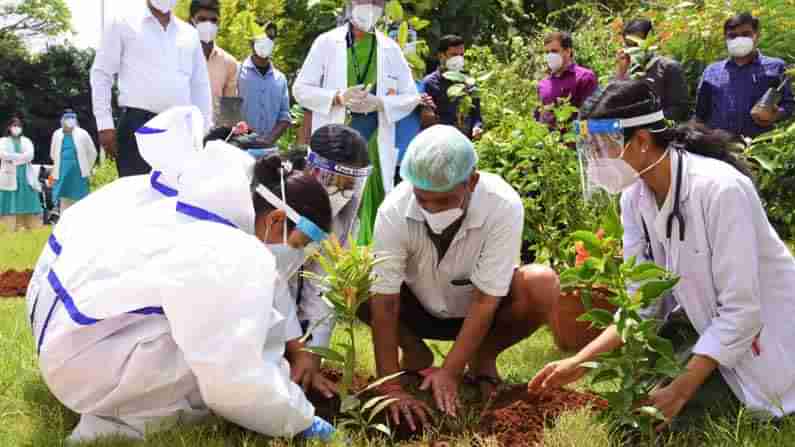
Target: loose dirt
(514,416)
(14,283)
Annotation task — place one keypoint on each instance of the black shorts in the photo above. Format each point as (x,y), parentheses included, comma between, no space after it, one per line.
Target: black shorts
(420,322)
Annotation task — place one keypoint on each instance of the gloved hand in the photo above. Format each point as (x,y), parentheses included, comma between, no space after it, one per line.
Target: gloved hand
(368,104)
(320,429)
(352,95)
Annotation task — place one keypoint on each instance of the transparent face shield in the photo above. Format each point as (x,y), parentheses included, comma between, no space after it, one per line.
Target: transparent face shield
(601,140)
(342,183)
(302,224)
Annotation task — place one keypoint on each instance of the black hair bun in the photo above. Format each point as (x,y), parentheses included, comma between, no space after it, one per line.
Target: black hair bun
(267,170)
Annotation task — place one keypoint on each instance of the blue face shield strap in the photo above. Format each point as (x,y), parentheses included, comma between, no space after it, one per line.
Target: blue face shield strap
(597,126)
(328,165)
(303,224)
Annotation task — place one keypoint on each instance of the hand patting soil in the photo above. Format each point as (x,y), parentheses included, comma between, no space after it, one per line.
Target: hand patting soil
(14,284)
(515,416)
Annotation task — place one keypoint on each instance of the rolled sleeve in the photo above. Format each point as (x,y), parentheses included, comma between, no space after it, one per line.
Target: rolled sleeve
(733,239)
(390,243)
(499,257)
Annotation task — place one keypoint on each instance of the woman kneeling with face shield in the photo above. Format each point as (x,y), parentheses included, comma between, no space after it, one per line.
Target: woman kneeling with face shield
(339,161)
(689,205)
(188,312)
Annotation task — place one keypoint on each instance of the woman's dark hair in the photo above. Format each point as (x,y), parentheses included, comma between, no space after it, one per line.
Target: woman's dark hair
(640,27)
(304,193)
(341,144)
(629,99)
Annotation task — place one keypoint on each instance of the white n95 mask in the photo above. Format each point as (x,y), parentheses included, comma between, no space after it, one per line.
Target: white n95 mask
(740,46)
(263,47)
(164,6)
(438,222)
(614,175)
(554,61)
(366,16)
(15,131)
(338,202)
(207,31)
(456,63)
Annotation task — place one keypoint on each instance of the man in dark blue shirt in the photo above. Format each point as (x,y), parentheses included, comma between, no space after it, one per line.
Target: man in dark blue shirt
(730,88)
(451,58)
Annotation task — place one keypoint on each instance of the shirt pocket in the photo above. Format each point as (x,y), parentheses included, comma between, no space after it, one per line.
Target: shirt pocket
(458,297)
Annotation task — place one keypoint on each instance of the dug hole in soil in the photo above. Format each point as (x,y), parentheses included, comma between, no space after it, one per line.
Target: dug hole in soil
(14,284)
(514,416)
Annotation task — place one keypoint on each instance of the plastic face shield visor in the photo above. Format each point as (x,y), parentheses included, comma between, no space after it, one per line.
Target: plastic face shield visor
(599,140)
(337,178)
(302,224)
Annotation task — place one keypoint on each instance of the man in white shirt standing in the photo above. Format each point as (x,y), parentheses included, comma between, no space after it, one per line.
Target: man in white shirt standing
(160,64)
(450,236)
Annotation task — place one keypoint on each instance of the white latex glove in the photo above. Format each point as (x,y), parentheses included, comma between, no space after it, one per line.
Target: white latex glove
(353,95)
(368,104)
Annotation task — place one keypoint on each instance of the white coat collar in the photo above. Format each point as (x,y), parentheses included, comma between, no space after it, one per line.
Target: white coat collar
(648,202)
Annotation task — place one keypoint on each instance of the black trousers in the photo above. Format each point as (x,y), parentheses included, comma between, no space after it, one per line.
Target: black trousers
(129,161)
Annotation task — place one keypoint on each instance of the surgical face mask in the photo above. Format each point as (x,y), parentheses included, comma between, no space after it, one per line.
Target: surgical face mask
(288,259)
(164,6)
(207,31)
(554,61)
(438,222)
(456,63)
(15,131)
(615,175)
(740,46)
(338,202)
(366,16)
(263,47)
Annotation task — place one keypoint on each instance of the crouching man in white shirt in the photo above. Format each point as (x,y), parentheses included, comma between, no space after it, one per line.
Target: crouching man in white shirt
(451,236)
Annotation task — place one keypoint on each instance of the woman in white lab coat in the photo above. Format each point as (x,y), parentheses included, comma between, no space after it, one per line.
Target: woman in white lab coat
(73,154)
(331,83)
(20,205)
(183,311)
(689,205)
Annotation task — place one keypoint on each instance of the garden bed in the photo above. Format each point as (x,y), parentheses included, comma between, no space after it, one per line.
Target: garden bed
(14,283)
(515,417)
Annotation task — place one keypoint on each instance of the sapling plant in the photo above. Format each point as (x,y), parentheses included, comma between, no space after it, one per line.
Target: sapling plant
(465,89)
(346,281)
(645,359)
(642,56)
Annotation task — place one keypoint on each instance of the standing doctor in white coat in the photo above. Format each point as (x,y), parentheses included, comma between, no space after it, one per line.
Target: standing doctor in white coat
(689,205)
(332,83)
(194,275)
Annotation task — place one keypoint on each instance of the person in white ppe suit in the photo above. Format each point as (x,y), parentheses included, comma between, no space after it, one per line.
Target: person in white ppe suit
(185,280)
(333,84)
(689,204)
(339,161)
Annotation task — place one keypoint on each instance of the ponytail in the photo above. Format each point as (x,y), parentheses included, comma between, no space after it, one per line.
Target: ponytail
(699,139)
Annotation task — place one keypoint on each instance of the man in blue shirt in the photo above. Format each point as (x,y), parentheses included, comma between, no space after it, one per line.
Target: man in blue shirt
(730,88)
(265,93)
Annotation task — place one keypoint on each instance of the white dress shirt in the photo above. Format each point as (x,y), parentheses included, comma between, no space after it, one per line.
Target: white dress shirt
(483,254)
(158,68)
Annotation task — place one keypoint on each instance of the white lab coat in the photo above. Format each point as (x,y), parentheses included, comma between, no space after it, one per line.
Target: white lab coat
(85,148)
(737,276)
(10,159)
(196,320)
(325,73)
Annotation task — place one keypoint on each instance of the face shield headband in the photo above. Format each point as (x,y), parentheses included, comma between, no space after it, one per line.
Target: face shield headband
(337,178)
(599,140)
(303,224)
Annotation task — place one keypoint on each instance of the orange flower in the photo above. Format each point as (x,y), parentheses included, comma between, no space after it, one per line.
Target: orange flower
(600,234)
(582,254)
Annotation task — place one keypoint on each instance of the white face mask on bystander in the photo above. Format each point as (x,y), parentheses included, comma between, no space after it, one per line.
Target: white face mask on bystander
(164,6)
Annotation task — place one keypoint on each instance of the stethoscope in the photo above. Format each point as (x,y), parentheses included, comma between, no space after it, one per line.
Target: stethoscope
(676,213)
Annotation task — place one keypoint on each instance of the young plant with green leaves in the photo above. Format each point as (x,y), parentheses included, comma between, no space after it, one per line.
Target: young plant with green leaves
(645,359)
(346,281)
(395,17)
(465,89)
(642,56)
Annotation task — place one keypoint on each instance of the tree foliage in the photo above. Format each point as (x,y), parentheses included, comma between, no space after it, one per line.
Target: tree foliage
(34,18)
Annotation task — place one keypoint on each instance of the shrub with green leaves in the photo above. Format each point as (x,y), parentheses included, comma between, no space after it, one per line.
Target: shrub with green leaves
(645,358)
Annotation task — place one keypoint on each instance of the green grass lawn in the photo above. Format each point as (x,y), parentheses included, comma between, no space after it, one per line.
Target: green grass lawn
(31,416)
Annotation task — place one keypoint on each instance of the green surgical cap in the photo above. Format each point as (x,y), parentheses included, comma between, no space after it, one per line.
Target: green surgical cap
(439,159)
